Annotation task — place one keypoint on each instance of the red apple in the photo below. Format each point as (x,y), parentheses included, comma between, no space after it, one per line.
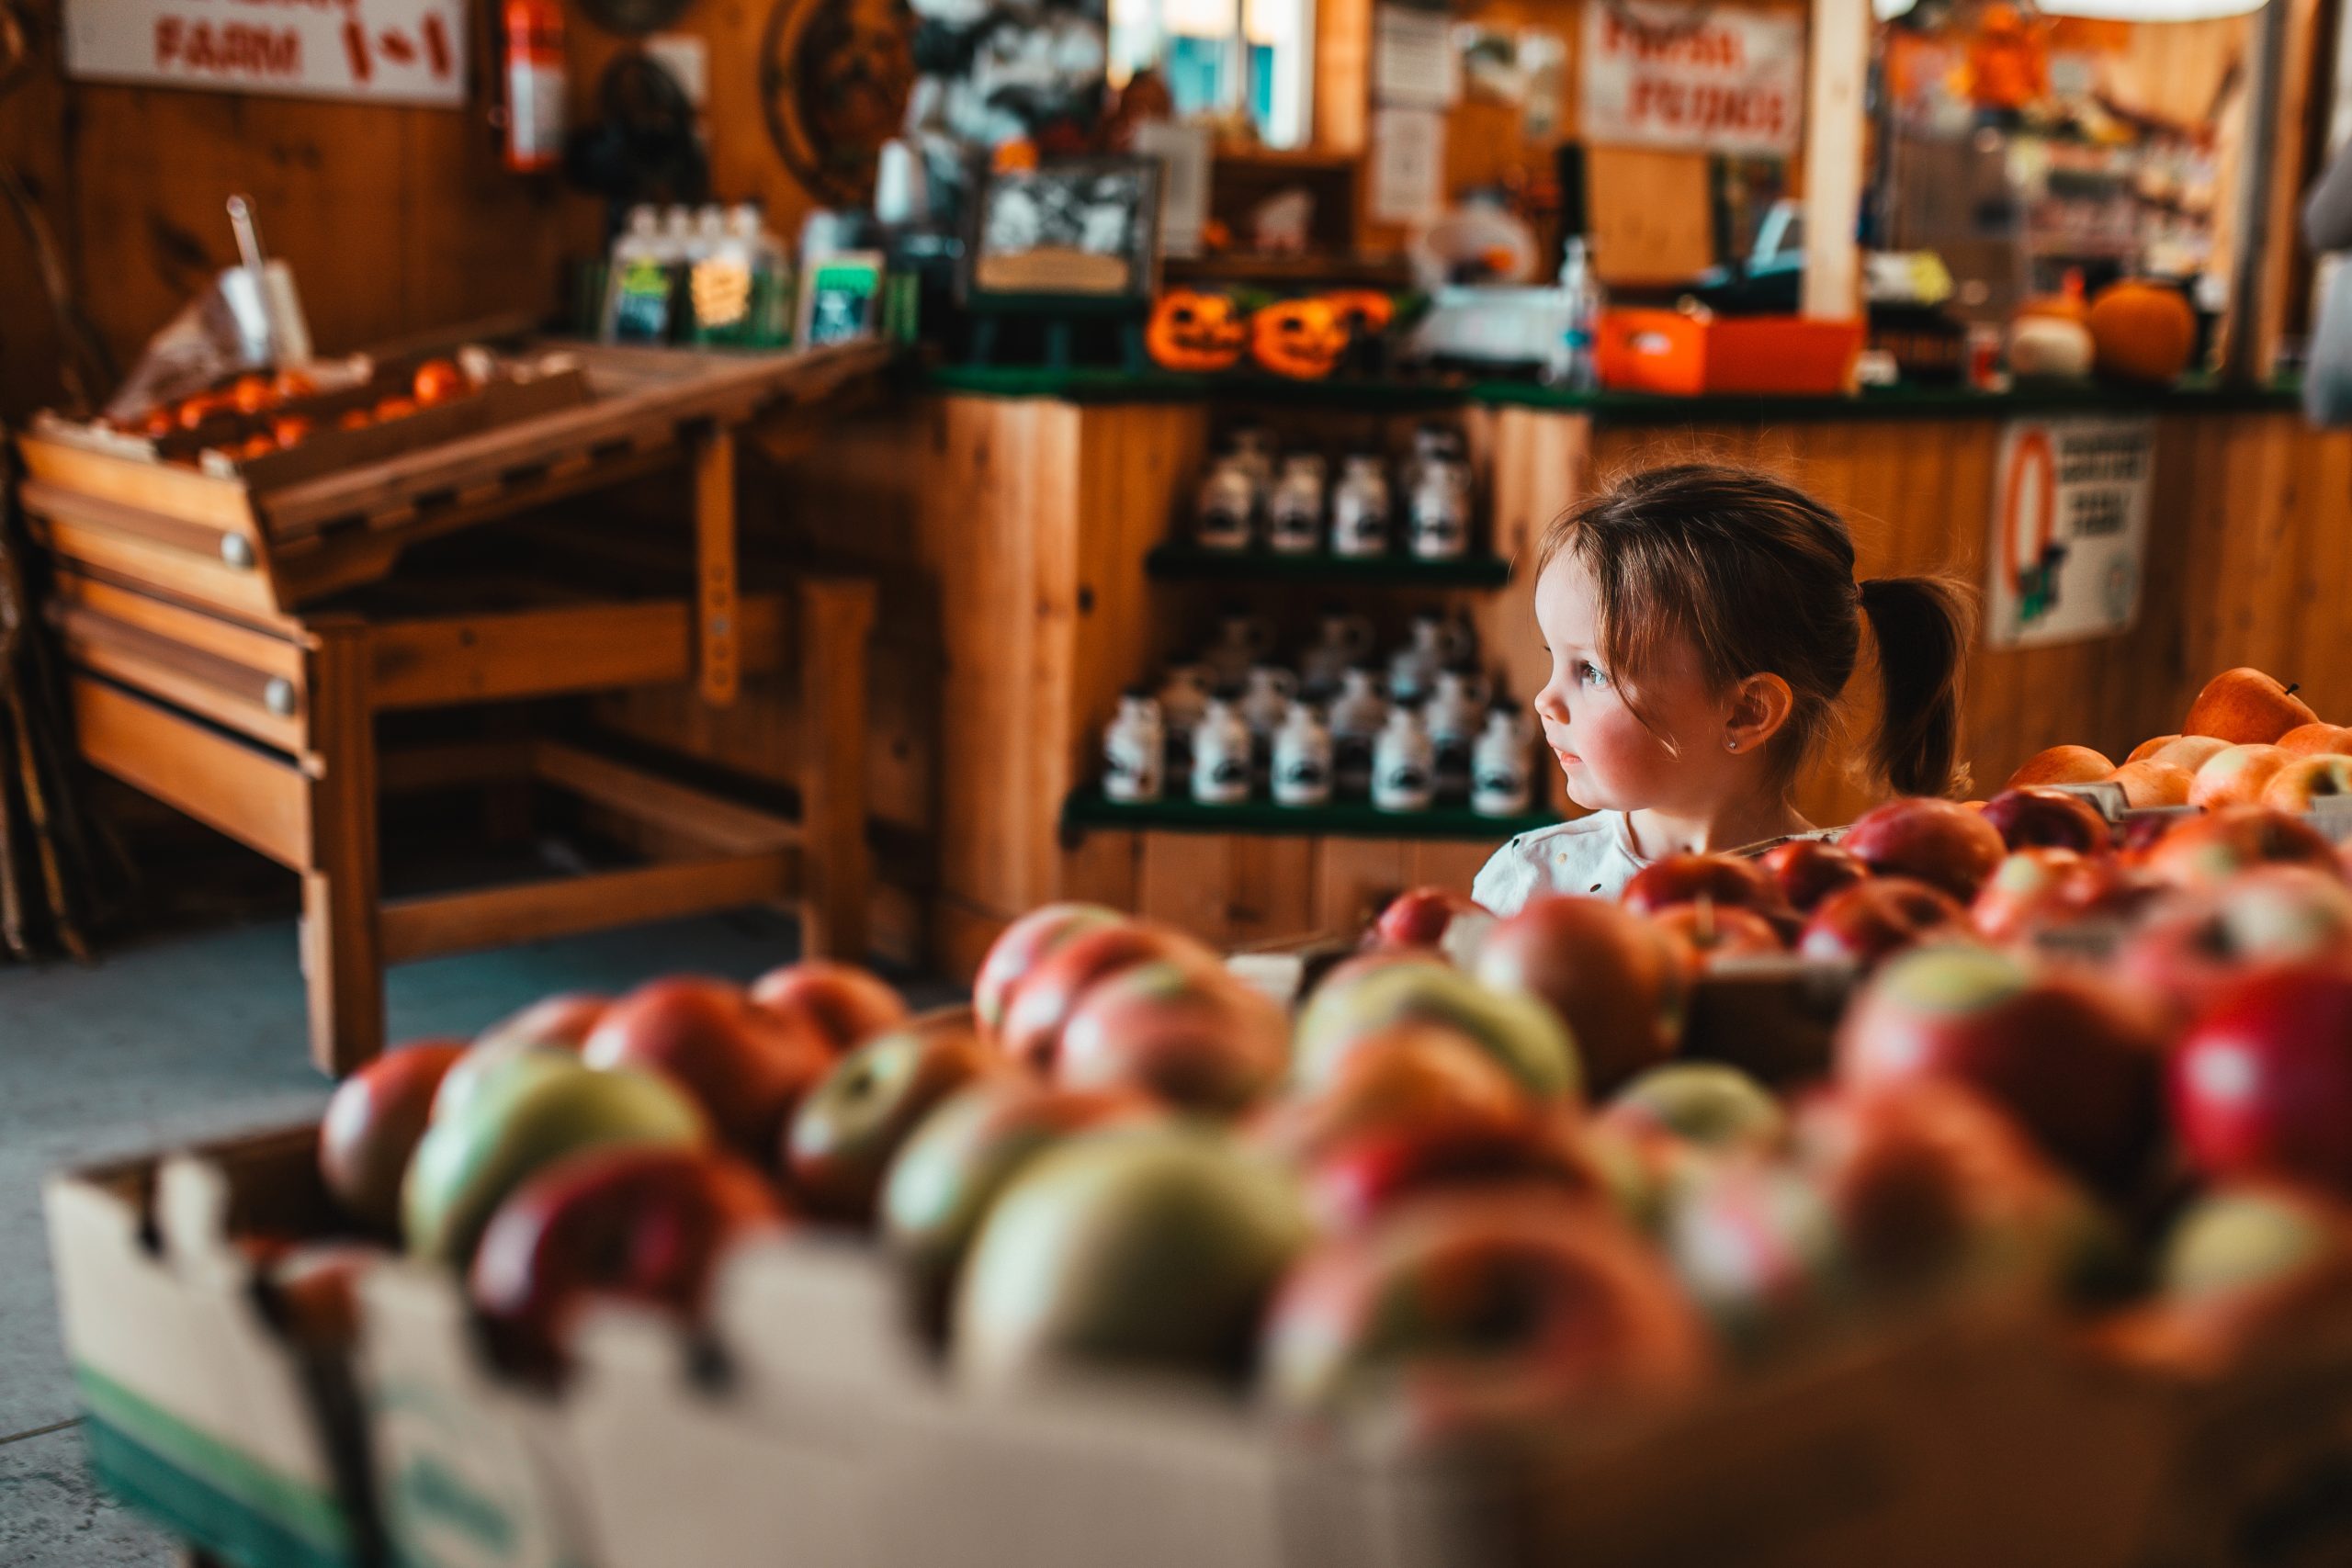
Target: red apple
(2074,1059)
(2242,706)
(2036,890)
(1192,1036)
(1810,870)
(2189,751)
(312,1290)
(745,1065)
(1349,1014)
(1050,992)
(1704,1103)
(2153,784)
(1725,880)
(1880,917)
(2049,818)
(644,1224)
(842,1138)
(2197,946)
(2303,781)
(844,1004)
(1355,1183)
(1620,983)
(2316,740)
(2262,1083)
(1019,947)
(1420,917)
(372,1125)
(1756,1242)
(1474,1308)
(1410,1075)
(2207,849)
(2060,765)
(2235,776)
(1717,932)
(563,1022)
(1940,842)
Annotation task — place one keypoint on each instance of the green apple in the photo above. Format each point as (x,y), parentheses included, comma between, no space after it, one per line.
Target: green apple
(517,1121)
(1519,1030)
(1706,1103)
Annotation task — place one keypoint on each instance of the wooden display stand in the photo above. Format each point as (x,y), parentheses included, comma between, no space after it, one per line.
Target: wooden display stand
(207,672)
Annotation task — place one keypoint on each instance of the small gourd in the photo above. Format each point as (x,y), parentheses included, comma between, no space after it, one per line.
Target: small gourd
(2142,331)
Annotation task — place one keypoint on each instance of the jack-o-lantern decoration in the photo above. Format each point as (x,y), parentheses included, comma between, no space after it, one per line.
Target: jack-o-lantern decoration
(1365,313)
(1190,330)
(1303,339)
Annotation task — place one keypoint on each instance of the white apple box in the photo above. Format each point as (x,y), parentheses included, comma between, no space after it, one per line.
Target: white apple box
(188,1390)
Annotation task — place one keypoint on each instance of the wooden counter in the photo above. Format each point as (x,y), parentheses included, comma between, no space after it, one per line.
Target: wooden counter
(1011,518)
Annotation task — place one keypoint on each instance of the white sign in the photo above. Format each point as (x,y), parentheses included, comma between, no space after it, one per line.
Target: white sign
(1702,78)
(2070,529)
(1413,60)
(392,52)
(1406,183)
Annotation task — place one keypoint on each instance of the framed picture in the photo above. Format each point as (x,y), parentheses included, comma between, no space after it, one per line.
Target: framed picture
(841,299)
(1088,229)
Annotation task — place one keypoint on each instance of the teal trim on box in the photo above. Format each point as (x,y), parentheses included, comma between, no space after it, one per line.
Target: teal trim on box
(1190,562)
(188,1507)
(1351,819)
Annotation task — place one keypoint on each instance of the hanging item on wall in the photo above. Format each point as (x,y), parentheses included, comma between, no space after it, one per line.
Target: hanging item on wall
(1086,228)
(1718,79)
(2070,528)
(392,51)
(835,76)
(999,74)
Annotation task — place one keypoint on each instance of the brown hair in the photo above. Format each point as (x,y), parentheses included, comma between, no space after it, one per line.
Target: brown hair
(1759,577)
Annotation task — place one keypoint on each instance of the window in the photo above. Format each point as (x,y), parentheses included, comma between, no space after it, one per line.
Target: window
(1223,59)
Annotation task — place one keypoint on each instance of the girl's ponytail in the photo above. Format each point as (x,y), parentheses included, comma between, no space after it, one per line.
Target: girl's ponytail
(1922,625)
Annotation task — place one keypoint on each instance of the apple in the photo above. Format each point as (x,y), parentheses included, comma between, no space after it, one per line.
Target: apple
(2252,1236)
(1757,1245)
(1526,1038)
(312,1291)
(1723,880)
(2306,781)
(1195,1037)
(1472,1309)
(2060,765)
(2076,1060)
(2049,818)
(372,1125)
(563,1022)
(2207,849)
(1020,944)
(745,1065)
(487,1061)
(2196,946)
(1150,1249)
(2317,739)
(2151,784)
(2153,744)
(2034,890)
(519,1124)
(842,1138)
(1810,870)
(1866,923)
(2262,1082)
(1940,842)
(961,1156)
(1716,932)
(1620,983)
(1410,1075)
(1420,917)
(1042,1003)
(2235,776)
(2242,706)
(844,1004)
(1710,1104)
(2189,751)
(644,1224)
(1353,1185)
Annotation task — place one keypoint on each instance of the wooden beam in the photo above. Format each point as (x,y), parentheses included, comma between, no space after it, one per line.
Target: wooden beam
(343,961)
(478,658)
(256,799)
(229,695)
(1840,40)
(718,616)
(836,621)
(235,640)
(466,922)
(456,762)
(699,817)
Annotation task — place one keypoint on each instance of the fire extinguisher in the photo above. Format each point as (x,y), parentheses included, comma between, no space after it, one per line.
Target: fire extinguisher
(535,84)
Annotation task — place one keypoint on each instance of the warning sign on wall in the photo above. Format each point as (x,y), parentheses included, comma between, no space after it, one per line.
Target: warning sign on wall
(394,51)
(2070,529)
(1702,78)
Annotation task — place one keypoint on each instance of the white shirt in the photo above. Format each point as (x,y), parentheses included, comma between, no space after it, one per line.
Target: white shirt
(1592,856)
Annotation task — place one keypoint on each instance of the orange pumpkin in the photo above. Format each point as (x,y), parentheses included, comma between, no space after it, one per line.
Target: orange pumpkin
(2142,331)
(1193,331)
(1300,338)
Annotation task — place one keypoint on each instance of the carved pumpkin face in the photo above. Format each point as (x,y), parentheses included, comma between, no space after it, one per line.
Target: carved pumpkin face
(1193,331)
(1300,338)
(1365,313)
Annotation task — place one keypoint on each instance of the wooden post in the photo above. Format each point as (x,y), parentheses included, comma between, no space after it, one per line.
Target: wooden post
(343,964)
(1833,158)
(716,614)
(836,616)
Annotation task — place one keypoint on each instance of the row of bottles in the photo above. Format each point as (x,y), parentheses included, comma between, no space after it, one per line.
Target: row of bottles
(1292,507)
(718,277)
(1343,641)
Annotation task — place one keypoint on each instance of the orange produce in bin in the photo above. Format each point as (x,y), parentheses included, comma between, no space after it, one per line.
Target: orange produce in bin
(1684,355)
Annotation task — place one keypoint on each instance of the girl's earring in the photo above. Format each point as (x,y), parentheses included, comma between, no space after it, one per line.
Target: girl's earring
(1731,743)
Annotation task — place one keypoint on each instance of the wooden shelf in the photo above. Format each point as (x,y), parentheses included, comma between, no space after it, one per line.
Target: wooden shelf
(1348,819)
(1191,563)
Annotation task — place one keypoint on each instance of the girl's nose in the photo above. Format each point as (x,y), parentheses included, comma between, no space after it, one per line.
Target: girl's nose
(1550,703)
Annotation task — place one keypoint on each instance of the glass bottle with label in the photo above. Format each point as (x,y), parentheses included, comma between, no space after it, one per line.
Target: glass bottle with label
(1134,750)
(1221,751)
(1403,771)
(1357,715)
(1500,774)
(1302,771)
(1294,511)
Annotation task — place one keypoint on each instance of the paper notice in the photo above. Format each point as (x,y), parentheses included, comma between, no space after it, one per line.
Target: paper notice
(1413,60)
(1407,174)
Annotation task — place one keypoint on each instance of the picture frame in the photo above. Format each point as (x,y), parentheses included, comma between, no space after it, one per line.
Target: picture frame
(1066,235)
(840,298)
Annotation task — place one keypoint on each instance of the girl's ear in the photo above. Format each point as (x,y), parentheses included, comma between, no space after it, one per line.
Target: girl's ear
(1760,707)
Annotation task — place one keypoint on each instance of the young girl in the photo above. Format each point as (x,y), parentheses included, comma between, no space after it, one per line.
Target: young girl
(1702,621)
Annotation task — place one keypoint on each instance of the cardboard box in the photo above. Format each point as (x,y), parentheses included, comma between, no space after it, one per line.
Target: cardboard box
(198,1410)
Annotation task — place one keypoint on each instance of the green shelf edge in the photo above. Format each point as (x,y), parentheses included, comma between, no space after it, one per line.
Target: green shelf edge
(1087,809)
(1180,563)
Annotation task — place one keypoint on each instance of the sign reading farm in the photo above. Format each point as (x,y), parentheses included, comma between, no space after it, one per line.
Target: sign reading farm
(392,52)
(1699,78)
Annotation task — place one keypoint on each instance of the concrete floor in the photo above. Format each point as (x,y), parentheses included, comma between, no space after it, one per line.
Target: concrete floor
(194,1037)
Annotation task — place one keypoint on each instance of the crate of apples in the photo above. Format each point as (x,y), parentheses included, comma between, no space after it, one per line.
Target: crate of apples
(2247,741)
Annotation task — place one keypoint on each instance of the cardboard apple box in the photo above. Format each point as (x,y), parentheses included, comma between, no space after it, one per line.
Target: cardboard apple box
(198,1409)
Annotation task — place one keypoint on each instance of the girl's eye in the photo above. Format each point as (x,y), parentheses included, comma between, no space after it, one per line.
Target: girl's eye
(1590,674)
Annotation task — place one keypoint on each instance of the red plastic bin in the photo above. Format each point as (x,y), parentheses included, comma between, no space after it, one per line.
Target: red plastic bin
(1685,355)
